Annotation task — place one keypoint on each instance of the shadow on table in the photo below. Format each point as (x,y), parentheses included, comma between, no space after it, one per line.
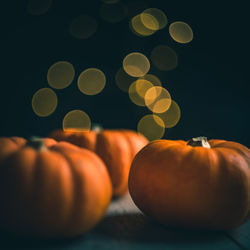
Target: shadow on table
(137,227)
(9,241)
(119,228)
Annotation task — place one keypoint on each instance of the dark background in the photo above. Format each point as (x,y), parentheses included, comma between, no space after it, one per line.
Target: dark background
(210,84)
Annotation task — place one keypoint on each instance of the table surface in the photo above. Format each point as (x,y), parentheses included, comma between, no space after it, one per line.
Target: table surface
(125,227)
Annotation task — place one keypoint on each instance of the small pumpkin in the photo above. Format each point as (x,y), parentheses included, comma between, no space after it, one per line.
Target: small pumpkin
(199,183)
(50,189)
(117,149)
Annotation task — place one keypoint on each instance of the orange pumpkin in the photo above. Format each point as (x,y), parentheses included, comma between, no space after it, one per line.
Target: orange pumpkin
(50,189)
(117,149)
(199,184)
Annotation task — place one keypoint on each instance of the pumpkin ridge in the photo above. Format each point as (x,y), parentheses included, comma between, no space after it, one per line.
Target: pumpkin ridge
(36,187)
(193,157)
(74,188)
(80,182)
(107,154)
(224,163)
(241,149)
(154,142)
(130,144)
(13,140)
(12,158)
(15,144)
(110,153)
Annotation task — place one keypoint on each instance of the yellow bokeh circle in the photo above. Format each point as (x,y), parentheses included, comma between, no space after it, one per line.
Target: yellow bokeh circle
(60,75)
(76,120)
(91,81)
(181,32)
(153,79)
(139,28)
(137,91)
(172,116)
(154,19)
(44,102)
(142,86)
(157,99)
(136,64)
(149,21)
(151,126)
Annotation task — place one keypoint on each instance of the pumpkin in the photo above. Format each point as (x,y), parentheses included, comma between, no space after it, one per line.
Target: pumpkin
(117,149)
(198,184)
(50,189)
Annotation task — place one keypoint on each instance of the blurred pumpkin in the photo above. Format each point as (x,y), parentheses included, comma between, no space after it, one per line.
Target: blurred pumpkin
(199,184)
(117,149)
(50,189)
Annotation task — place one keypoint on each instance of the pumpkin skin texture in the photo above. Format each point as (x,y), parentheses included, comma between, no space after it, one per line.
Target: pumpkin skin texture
(116,148)
(188,186)
(57,190)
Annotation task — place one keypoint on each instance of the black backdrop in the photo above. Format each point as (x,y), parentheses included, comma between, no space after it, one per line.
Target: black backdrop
(211,82)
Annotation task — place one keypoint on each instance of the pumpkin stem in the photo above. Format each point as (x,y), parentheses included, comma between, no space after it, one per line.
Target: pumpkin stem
(200,141)
(97,127)
(36,143)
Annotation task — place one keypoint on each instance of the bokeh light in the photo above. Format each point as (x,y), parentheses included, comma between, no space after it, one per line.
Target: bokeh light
(113,12)
(172,116)
(151,126)
(38,7)
(83,27)
(154,19)
(136,64)
(91,81)
(181,32)
(144,89)
(76,120)
(157,99)
(123,80)
(142,86)
(153,79)
(44,102)
(137,91)
(138,28)
(60,75)
(149,21)
(164,58)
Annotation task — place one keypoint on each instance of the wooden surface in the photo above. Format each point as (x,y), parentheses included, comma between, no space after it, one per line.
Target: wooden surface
(125,227)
